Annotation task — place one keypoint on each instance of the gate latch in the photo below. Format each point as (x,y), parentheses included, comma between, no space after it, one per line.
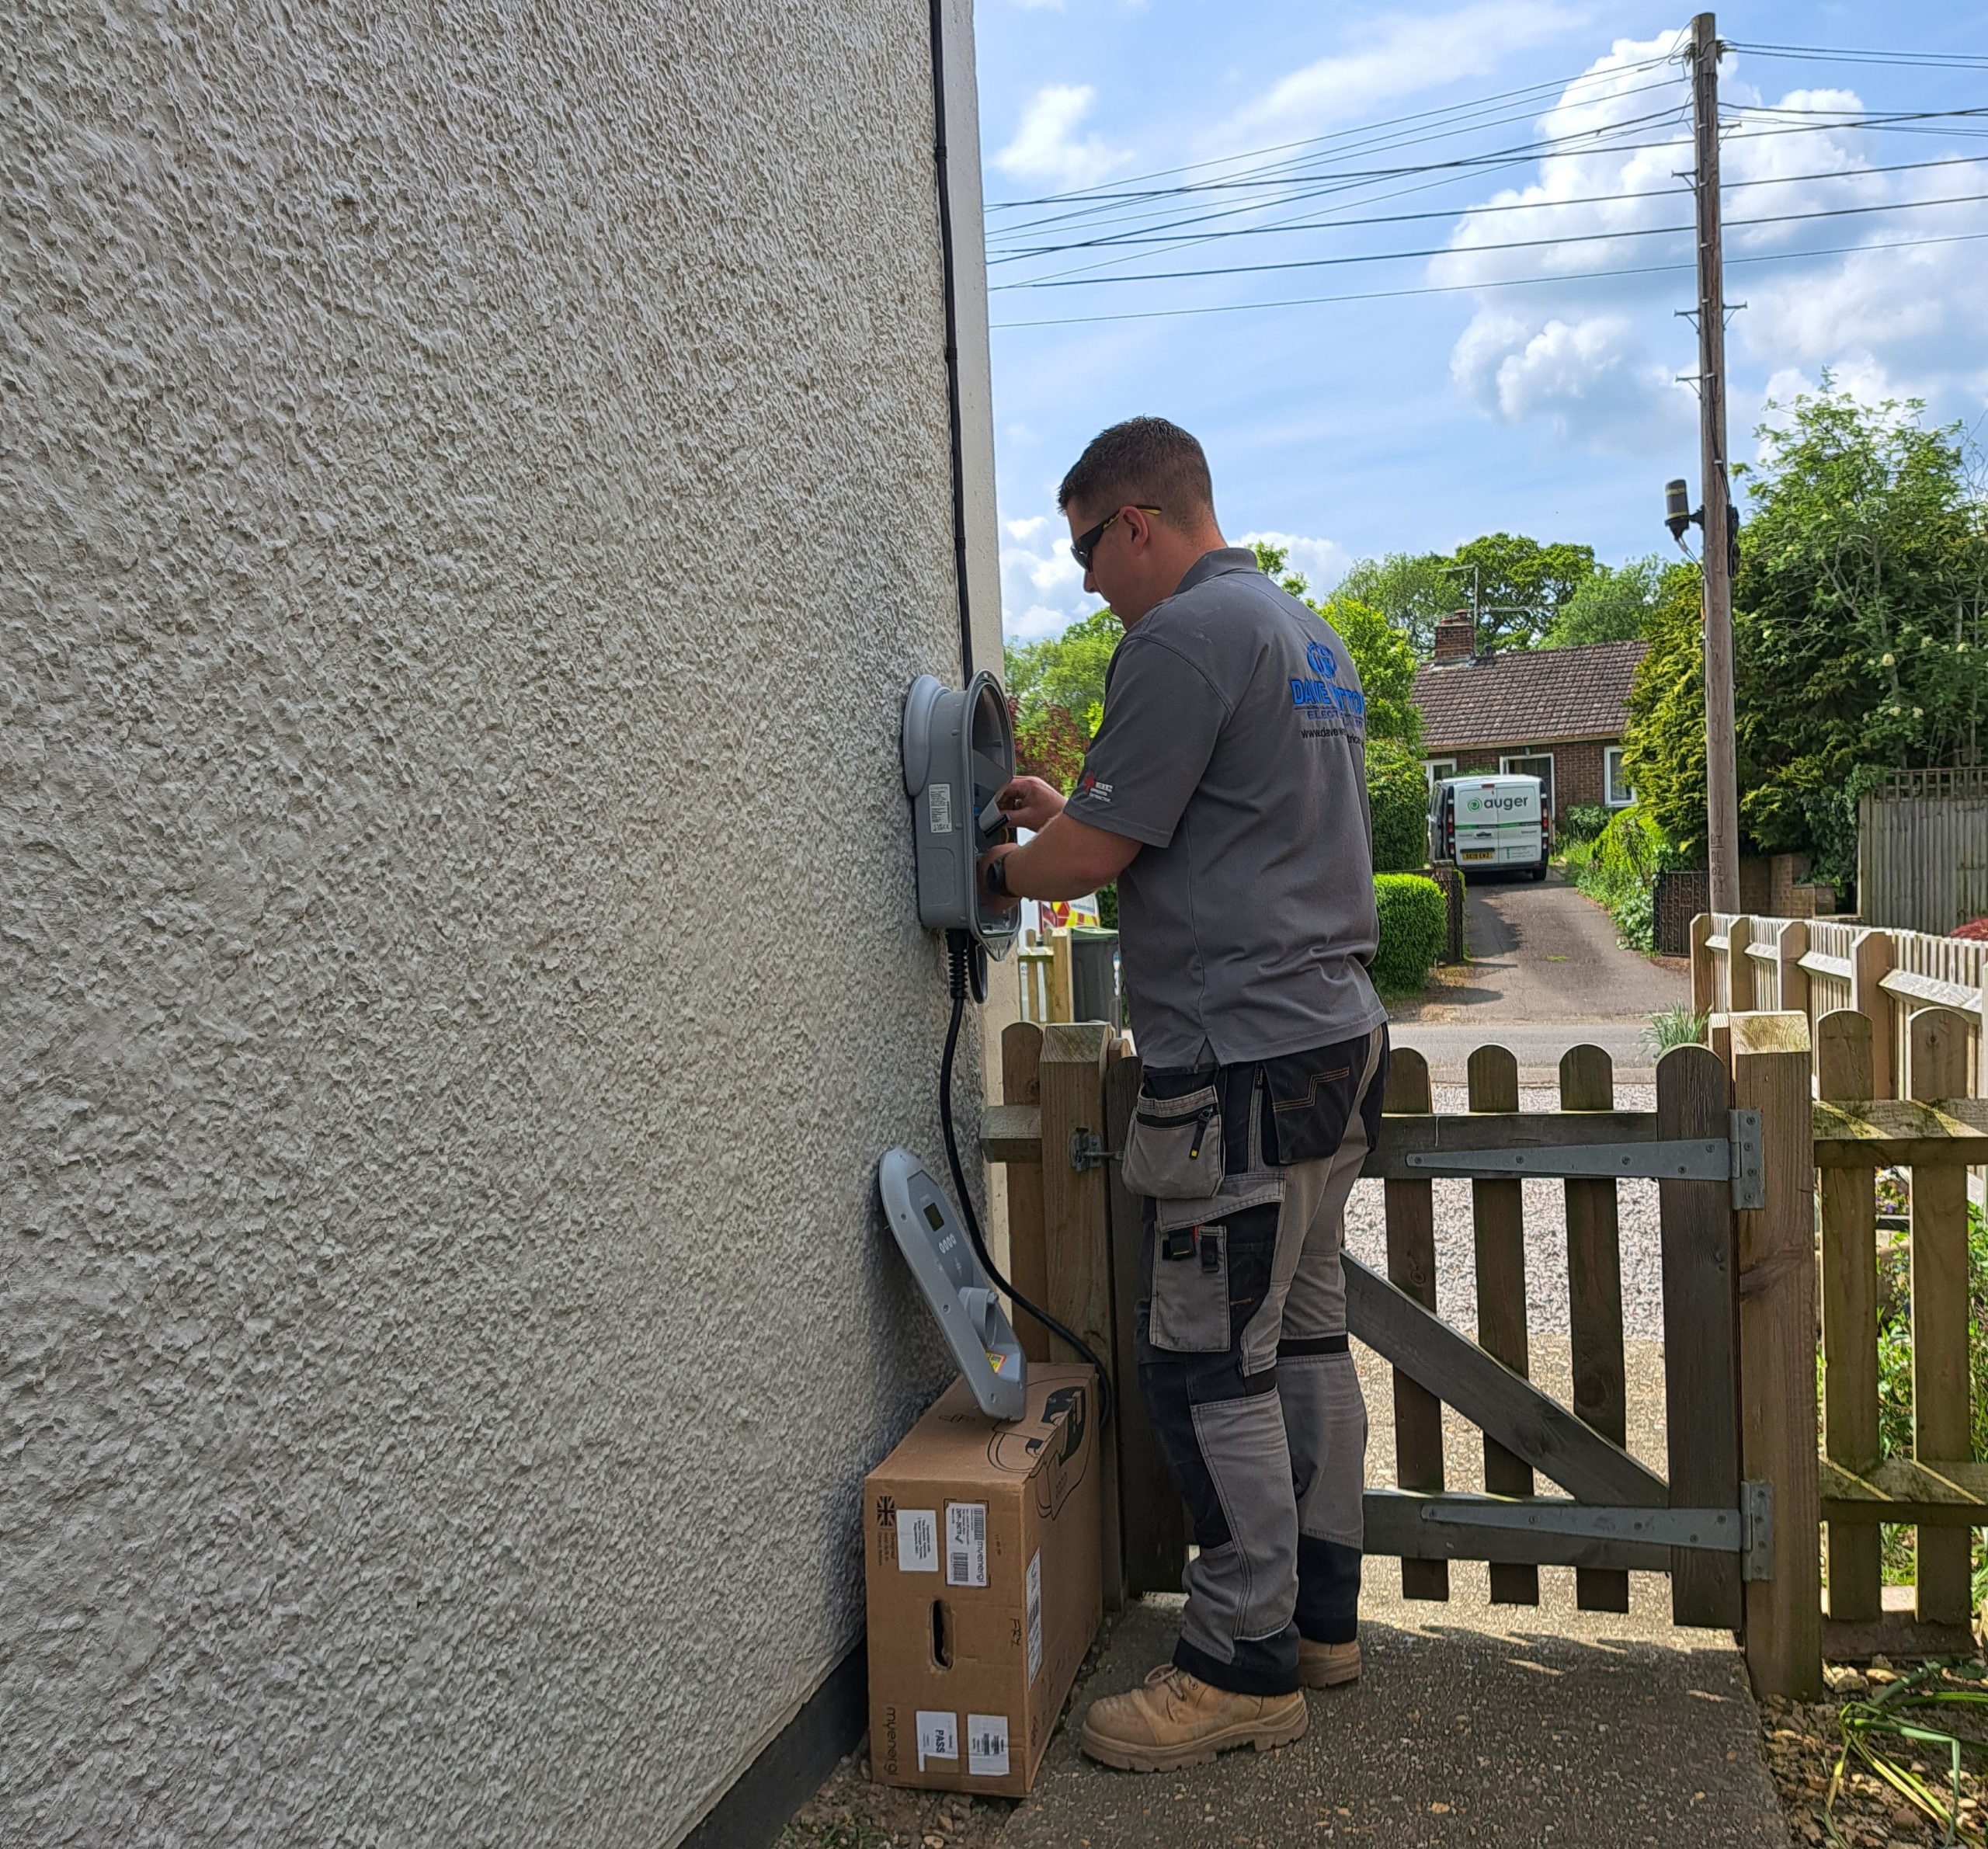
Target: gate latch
(1734,1160)
(1087,1149)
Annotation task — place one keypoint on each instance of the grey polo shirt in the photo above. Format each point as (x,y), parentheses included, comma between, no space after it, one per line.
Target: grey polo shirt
(1233,746)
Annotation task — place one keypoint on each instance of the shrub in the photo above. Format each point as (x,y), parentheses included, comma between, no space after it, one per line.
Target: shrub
(1583,821)
(1674,1027)
(1618,870)
(1397,796)
(1414,921)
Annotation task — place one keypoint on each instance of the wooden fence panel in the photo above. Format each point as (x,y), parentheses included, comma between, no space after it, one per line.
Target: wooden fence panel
(1922,860)
(1498,1212)
(1850,1318)
(1411,1222)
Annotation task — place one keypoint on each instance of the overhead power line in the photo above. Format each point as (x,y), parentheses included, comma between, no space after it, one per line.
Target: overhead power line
(1118,238)
(1562,279)
(1451,250)
(1916,60)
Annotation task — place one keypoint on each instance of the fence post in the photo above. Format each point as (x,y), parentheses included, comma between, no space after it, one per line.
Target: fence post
(1705,984)
(1028,1262)
(1411,1218)
(1771,1074)
(1742,996)
(1498,1214)
(1063,1007)
(1076,1239)
(1870,960)
(1941,1424)
(1791,980)
(1156,1538)
(1849,1316)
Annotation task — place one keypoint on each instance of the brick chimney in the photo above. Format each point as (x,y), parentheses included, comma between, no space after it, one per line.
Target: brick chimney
(1456,638)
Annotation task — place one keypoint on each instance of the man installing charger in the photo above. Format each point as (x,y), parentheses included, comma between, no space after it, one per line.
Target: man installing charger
(1225,792)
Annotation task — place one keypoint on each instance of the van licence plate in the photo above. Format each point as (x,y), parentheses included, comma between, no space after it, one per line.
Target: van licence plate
(1475,854)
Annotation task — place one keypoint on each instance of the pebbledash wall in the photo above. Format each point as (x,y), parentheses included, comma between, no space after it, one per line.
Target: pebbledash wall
(477,487)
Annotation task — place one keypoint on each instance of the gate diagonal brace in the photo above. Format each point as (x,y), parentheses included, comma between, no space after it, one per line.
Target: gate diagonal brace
(1735,1160)
(1747,1531)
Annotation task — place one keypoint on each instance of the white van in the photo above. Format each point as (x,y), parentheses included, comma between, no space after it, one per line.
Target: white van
(1489,822)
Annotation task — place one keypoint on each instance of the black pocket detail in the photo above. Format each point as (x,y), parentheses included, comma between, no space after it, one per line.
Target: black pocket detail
(1310,1098)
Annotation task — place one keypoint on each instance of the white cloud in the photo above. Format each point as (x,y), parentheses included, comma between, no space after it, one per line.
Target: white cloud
(1045,148)
(1042,588)
(1405,57)
(1324,561)
(1594,358)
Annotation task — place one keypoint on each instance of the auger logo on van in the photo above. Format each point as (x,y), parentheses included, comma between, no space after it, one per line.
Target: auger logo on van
(1505,802)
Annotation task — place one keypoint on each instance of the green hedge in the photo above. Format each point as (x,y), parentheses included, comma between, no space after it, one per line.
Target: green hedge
(1414,921)
(1397,796)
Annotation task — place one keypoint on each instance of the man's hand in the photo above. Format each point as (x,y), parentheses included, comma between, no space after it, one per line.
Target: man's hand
(1028,802)
(1000,902)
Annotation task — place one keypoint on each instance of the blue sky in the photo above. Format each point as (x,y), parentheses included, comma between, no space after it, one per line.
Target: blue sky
(1360,427)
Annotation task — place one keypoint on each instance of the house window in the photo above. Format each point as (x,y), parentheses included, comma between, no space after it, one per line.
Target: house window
(1539,764)
(1619,793)
(1436,769)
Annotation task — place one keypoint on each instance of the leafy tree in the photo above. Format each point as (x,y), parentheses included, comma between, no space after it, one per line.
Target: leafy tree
(1663,751)
(1614,605)
(1397,801)
(1521,585)
(1860,632)
(1412,589)
(1860,608)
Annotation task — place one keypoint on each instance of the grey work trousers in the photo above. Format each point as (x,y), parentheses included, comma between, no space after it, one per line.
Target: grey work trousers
(1244,1364)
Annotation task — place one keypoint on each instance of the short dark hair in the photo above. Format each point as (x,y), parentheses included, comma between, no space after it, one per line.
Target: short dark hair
(1144,462)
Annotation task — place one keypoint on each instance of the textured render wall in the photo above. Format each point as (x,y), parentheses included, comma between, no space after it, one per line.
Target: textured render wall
(476,488)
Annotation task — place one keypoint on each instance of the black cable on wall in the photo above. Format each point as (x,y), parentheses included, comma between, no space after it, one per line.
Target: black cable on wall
(952,333)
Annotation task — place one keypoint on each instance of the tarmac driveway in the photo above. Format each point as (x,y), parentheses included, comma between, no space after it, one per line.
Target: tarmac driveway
(1546,972)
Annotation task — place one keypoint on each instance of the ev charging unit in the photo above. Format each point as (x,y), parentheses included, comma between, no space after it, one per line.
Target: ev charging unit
(936,1246)
(958,750)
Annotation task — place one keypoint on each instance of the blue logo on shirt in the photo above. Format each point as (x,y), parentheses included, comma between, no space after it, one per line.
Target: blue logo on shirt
(1322,660)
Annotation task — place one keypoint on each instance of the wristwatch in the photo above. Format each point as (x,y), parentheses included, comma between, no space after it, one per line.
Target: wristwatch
(997,878)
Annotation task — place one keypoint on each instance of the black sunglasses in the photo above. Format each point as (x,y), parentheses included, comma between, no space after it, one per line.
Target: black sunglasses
(1086,544)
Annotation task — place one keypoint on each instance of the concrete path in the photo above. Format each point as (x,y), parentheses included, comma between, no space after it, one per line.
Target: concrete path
(1498,1729)
(1546,973)
(1494,1727)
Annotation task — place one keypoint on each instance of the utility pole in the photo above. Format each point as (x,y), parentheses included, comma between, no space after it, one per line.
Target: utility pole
(1721,777)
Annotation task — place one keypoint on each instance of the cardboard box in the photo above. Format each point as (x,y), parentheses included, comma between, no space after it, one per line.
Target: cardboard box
(981,1556)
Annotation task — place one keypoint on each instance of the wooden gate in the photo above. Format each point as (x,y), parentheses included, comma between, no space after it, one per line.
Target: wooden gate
(1736,1195)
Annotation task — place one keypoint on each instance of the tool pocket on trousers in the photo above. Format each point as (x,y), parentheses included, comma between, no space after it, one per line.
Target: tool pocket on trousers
(1189,1311)
(1312,1098)
(1174,1146)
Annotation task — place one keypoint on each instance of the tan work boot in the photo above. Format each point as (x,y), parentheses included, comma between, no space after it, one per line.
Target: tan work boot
(1327,1665)
(1176,1719)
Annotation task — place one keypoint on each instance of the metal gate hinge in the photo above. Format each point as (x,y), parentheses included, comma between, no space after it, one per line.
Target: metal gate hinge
(1734,1160)
(1747,1531)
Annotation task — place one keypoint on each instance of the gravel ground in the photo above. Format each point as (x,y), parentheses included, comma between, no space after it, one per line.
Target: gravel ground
(1546,1235)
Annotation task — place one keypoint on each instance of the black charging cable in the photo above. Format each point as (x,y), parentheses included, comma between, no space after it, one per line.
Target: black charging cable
(960,948)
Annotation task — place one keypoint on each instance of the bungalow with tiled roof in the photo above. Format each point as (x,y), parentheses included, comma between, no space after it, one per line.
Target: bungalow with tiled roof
(1555,714)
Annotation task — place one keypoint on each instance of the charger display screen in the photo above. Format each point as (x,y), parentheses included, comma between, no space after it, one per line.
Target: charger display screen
(933,1218)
